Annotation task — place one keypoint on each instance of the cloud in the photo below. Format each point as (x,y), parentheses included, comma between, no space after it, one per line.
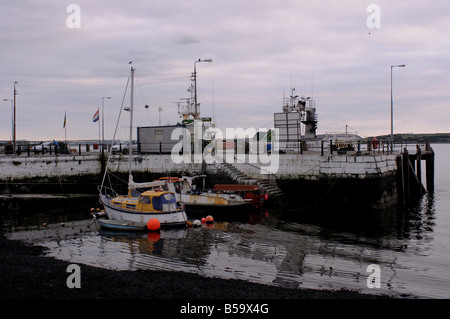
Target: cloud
(259,49)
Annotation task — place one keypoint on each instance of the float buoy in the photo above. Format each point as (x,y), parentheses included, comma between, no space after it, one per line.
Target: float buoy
(209,219)
(374,143)
(153,224)
(197,223)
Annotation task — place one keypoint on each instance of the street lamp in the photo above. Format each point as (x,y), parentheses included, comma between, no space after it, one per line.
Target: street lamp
(103,121)
(159,110)
(392,105)
(195,84)
(14,124)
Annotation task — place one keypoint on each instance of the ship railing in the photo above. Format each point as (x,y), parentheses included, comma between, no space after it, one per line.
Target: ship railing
(360,146)
(107,191)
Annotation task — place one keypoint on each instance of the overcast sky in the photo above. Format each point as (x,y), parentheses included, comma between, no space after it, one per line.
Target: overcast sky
(260,49)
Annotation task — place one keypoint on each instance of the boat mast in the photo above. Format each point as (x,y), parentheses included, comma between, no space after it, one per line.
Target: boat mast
(130,145)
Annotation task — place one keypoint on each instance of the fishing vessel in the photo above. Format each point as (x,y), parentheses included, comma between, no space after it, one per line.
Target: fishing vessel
(193,199)
(137,208)
(250,193)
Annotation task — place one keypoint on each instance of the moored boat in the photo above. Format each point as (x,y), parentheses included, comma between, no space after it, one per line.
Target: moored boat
(136,207)
(250,193)
(147,205)
(121,225)
(196,200)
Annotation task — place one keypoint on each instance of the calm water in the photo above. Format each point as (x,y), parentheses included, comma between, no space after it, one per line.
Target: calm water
(287,249)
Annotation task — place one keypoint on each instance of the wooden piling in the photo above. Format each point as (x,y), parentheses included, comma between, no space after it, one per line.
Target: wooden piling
(410,176)
(429,166)
(418,164)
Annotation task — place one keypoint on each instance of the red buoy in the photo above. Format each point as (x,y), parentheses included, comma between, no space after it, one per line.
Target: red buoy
(153,224)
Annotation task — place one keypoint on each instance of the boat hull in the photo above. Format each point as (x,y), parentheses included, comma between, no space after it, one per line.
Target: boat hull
(175,218)
(121,225)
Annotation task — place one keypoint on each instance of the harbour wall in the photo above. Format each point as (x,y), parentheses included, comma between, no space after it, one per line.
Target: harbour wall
(315,166)
(335,180)
(306,179)
(289,166)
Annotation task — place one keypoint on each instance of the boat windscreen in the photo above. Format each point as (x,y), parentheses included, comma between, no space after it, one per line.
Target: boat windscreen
(165,202)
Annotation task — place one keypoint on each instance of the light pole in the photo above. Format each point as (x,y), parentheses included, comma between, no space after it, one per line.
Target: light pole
(195,84)
(14,120)
(392,106)
(103,120)
(159,110)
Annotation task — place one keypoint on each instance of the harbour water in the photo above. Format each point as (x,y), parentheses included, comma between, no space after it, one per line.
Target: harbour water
(296,249)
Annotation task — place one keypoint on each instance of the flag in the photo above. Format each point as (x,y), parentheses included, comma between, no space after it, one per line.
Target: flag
(96,116)
(65,115)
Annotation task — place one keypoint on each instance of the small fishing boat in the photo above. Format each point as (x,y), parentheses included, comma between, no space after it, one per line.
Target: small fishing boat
(161,205)
(199,199)
(121,225)
(137,208)
(250,193)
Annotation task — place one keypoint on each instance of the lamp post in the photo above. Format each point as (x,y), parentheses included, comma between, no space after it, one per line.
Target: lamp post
(159,110)
(103,121)
(392,105)
(14,120)
(195,84)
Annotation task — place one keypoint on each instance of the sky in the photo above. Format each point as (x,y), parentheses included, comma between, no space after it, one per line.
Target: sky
(65,61)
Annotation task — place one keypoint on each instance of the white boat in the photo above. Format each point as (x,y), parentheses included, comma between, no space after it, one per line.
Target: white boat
(137,208)
(121,225)
(194,199)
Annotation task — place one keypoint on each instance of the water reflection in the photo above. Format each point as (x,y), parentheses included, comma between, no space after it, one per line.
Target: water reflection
(289,248)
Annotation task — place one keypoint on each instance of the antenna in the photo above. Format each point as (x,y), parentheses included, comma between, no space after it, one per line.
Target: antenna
(214,116)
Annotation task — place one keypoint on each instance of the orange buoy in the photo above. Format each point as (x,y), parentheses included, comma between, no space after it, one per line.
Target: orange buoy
(153,224)
(203,220)
(209,219)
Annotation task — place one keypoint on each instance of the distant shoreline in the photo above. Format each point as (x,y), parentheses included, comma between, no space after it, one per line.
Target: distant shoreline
(432,137)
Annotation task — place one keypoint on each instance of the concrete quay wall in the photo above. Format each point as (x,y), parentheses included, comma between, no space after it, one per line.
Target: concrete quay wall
(316,166)
(291,166)
(368,180)
(22,168)
(17,168)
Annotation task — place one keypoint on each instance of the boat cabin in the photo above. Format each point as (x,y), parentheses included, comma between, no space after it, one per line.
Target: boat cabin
(148,201)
